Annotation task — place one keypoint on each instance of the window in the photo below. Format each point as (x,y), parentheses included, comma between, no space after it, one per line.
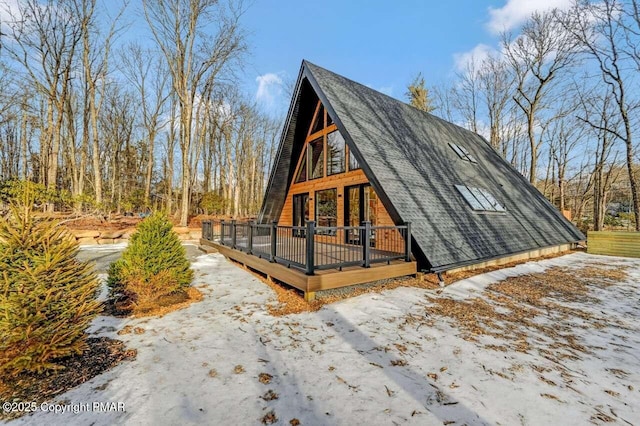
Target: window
(302,171)
(319,123)
(463,153)
(479,199)
(335,153)
(325,149)
(353,163)
(327,207)
(316,160)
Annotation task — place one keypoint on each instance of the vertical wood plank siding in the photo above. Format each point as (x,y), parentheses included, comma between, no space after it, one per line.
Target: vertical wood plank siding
(386,239)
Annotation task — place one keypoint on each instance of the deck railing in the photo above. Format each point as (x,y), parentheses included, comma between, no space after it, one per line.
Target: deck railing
(311,248)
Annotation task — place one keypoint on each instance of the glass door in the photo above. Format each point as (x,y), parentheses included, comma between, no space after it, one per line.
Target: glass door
(361,204)
(300,213)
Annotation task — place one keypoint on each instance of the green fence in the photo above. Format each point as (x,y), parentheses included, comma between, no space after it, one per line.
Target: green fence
(626,244)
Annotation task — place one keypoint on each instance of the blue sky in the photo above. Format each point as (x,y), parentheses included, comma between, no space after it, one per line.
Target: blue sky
(378,43)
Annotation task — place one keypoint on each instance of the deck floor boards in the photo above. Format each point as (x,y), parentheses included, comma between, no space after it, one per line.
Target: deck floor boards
(322,279)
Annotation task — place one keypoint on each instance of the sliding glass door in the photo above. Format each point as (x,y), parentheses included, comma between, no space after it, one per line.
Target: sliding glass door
(300,213)
(360,205)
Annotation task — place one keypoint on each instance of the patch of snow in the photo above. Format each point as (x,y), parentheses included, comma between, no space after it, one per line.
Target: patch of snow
(103,247)
(358,361)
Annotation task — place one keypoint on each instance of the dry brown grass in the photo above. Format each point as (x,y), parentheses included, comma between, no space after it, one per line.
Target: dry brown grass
(457,276)
(170,304)
(530,289)
(512,305)
(291,301)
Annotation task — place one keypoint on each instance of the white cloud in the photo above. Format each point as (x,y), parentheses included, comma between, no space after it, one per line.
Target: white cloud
(269,88)
(477,55)
(515,12)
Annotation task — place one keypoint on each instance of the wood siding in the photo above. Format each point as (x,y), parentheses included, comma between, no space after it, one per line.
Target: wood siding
(626,244)
(385,238)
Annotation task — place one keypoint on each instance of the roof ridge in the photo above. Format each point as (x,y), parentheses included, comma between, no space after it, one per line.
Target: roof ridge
(398,101)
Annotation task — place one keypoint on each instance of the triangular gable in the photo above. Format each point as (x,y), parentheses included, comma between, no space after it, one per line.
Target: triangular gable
(407,156)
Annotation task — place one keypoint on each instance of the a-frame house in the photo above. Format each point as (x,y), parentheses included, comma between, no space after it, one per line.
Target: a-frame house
(365,187)
(349,153)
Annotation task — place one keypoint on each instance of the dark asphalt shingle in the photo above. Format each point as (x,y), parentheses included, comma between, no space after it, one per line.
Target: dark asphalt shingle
(407,157)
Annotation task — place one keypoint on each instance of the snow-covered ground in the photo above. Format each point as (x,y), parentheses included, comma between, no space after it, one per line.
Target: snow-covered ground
(379,358)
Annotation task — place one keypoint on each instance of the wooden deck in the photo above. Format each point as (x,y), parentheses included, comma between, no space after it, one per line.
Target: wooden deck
(322,279)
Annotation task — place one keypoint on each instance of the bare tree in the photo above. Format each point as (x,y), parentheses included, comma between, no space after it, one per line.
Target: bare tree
(443,102)
(496,86)
(564,134)
(148,74)
(96,51)
(193,58)
(609,38)
(45,37)
(466,95)
(537,56)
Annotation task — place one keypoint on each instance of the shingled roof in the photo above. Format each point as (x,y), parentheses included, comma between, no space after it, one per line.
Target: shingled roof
(407,157)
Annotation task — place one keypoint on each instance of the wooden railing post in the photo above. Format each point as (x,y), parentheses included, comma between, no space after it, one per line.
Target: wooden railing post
(233,234)
(310,239)
(250,237)
(222,225)
(274,242)
(366,244)
(407,244)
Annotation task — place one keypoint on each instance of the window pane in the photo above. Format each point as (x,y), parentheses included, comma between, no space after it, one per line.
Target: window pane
(319,123)
(317,158)
(479,199)
(486,205)
(370,204)
(461,153)
(354,206)
(329,120)
(469,198)
(335,153)
(496,205)
(353,163)
(327,207)
(302,171)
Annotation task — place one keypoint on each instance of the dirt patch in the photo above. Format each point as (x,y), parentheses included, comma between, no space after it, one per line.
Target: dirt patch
(181,301)
(509,309)
(102,354)
(291,301)
(174,302)
(457,276)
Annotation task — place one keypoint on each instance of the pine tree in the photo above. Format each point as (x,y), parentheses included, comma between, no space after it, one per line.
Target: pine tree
(418,95)
(153,266)
(47,296)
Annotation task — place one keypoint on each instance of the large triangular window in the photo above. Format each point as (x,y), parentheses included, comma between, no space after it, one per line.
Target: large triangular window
(325,152)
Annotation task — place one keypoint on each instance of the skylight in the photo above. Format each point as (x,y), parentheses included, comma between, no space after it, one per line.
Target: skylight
(479,199)
(463,153)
